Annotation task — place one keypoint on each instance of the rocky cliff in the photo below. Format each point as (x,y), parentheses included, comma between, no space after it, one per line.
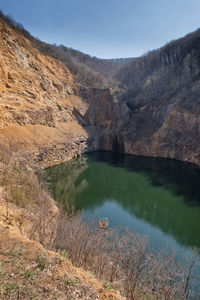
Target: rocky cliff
(158,112)
(46,116)
(38,102)
(163,100)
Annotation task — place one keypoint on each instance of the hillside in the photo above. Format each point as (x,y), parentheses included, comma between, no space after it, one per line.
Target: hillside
(89,71)
(41,123)
(164,73)
(162,101)
(38,99)
(57,103)
(30,271)
(106,67)
(145,106)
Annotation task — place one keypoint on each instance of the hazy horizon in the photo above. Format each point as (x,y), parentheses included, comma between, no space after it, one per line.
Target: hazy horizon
(106,29)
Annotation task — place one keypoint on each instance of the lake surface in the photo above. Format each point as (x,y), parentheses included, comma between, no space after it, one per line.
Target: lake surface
(156,197)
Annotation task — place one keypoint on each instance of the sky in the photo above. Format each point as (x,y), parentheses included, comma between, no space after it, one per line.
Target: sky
(106,28)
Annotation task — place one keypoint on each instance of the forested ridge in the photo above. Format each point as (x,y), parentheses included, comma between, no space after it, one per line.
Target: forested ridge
(160,73)
(169,72)
(88,71)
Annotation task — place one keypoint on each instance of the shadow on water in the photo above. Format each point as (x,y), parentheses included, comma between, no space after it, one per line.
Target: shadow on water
(182,178)
(142,193)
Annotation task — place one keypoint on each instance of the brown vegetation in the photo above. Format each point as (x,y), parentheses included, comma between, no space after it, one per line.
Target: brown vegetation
(28,270)
(88,71)
(38,104)
(120,260)
(154,111)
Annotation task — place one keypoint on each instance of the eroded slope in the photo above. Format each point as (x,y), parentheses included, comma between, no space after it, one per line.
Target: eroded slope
(38,98)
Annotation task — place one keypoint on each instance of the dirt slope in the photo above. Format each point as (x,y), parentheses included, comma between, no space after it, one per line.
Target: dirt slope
(38,101)
(29,271)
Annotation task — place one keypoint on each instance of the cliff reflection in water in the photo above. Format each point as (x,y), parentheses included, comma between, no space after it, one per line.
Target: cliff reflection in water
(162,193)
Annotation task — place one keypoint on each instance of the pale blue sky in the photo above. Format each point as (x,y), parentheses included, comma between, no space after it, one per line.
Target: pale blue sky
(106,28)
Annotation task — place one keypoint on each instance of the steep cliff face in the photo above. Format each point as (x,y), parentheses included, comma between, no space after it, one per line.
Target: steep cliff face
(38,101)
(45,116)
(165,128)
(163,101)
(28,83)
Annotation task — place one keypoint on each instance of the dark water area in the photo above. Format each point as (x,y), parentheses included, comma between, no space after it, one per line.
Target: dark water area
(152,196)
(159,193)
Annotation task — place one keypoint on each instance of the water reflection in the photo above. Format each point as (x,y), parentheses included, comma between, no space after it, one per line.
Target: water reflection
(159,197)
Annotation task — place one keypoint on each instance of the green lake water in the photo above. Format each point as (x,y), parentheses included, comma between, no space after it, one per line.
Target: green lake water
(156,197)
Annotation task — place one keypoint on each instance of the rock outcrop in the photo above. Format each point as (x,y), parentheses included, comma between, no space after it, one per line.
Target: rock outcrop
(38,102)
(46,117)
(163,100)
(158,113)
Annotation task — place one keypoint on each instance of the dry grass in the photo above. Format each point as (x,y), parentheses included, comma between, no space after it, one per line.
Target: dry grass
(28,271)
(120,260)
